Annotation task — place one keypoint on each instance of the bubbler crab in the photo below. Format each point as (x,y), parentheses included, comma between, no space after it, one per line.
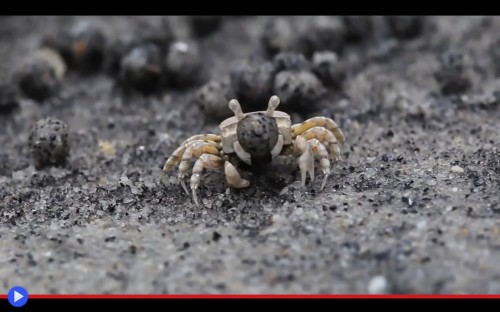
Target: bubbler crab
(254,139)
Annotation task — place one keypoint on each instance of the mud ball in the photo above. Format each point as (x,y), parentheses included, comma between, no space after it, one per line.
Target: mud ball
(406,27)
(299,91)
(252,83)
(8,99)
(141,69)
(87,46)
(49,143)
(290,61)
(204,25)
(329,69)
(39,76)
(357,28)
(155,31)
(452,73)
(115,52)
(323,33)
(60,42)
(213,99)
(278,35)
(257,134)
(183,64)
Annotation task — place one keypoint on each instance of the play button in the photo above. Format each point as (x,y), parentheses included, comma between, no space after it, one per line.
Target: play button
(18,296)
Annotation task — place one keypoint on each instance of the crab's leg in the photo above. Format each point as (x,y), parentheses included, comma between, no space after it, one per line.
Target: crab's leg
(306,158)
(324,135)
(194,149)
(176,157)
(206,161)
(324,122)
(319,150)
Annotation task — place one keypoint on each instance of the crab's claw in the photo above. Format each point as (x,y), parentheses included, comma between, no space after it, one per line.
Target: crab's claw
(233,176)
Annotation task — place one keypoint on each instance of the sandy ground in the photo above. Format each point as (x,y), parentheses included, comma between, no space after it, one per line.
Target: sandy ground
(396,216)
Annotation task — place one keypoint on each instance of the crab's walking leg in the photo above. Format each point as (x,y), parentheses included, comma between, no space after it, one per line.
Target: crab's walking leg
(325,136)
(306,158)
(324,122)
(319,150)
(176,157)
(206,161)
(194,149)
(233,176)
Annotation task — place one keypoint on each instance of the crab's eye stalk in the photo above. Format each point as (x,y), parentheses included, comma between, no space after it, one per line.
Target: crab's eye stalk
(274,101)
(234,105)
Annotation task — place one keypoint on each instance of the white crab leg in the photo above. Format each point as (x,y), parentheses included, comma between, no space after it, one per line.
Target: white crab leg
(206,161)
(194,149)
(319,121)
(176,156)
(319,150)
(306,159)
(324,135)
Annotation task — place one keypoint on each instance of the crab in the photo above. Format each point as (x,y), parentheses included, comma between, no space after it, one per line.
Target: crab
(253,140)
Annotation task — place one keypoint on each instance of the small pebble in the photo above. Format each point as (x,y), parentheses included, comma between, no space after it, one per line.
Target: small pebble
(298,90)
(378,285)
(407,200)
(457,169)
(370,159)
(49,142)
(278,35)
(328,69)
(183,64)
(421,224)
(431,182)
(107,148)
